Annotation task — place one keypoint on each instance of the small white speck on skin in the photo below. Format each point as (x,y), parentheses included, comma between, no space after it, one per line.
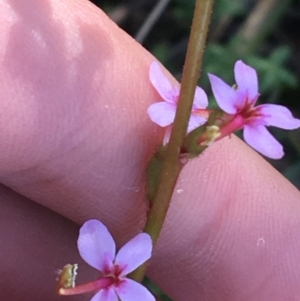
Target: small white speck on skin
(134,189)
(106,106)
(38,37)
(260,242)
(179,190)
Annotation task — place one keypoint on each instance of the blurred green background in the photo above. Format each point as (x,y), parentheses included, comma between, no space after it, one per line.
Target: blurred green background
(263,33)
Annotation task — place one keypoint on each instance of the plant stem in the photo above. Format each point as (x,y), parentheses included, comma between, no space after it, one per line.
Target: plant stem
(172,165)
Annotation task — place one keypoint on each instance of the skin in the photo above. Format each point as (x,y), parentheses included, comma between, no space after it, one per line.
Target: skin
(75,142)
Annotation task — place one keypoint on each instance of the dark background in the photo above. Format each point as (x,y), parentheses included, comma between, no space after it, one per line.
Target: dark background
(263,33)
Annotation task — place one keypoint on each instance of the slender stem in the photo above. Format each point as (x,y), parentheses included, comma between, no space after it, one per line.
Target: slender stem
(172,166)
(86,287)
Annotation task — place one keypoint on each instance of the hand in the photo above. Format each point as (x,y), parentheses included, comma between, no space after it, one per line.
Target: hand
(75,142)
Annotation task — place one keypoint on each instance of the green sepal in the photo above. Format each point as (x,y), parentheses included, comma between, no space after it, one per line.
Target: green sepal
(191,147)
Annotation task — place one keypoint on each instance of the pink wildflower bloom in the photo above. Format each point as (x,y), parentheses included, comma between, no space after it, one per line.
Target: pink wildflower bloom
(239,104)
(163,113)
(97,247)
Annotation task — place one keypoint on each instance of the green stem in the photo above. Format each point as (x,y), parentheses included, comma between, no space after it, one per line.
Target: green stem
(172,165)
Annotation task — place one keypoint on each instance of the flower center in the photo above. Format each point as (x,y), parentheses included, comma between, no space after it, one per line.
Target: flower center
(115,274)
(248,111)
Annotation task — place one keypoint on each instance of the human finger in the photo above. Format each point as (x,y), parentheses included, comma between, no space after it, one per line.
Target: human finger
(78,177)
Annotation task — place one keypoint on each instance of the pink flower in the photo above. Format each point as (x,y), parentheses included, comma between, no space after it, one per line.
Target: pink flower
(97,247)
(163,113)
(240,102)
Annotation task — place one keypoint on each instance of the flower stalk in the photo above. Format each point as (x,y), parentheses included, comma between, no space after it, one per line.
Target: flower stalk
(87,287)
(172,164)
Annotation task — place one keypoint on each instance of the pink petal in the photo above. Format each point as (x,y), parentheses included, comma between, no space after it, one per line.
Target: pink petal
(279,116)
(161,83)
(195,121)
(106,295)
(246,79)
(200,99)
(225,96)
(95,244)
(260,139)
(134,253)
(130,290)
(167,135)
(162,113)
